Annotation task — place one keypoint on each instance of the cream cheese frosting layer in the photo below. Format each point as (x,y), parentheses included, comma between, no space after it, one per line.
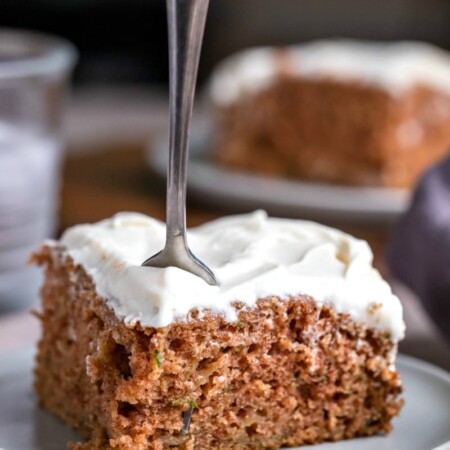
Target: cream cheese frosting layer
(253,256)
(393,67)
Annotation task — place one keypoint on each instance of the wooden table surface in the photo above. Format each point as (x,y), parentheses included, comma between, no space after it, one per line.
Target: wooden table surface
(99,184)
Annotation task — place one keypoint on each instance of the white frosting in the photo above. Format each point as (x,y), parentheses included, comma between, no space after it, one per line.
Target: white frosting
(394,67)
(252,256)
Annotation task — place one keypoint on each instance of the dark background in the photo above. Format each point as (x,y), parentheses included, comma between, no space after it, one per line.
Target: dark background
(124,41)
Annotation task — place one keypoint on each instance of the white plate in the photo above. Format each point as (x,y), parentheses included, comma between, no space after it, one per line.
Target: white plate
(424,423)
(217,185)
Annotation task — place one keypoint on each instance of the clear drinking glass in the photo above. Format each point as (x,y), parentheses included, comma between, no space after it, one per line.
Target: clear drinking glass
(34,73)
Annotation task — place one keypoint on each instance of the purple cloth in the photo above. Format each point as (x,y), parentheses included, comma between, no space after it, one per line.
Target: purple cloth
(419,253)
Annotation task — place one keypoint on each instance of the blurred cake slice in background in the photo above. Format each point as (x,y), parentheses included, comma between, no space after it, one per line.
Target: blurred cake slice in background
(340,111)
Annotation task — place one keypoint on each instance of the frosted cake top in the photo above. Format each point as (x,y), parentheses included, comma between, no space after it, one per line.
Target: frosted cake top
(253,256)
(394,67)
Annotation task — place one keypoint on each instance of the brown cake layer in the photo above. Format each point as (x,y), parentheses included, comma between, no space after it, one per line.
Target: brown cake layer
(335,131)
(287,373)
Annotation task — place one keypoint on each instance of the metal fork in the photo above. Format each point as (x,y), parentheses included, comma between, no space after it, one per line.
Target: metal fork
(186,21)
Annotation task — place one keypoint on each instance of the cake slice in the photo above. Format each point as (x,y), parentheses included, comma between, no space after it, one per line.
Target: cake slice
(340,111)
(297,345)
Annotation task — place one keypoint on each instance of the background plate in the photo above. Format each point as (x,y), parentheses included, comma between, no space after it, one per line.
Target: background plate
(424,423)
(216,185)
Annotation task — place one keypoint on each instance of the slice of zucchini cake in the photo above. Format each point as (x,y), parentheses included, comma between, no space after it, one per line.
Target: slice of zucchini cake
(296,346)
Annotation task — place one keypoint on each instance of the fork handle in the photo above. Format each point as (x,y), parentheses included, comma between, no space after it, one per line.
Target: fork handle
(186,23)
